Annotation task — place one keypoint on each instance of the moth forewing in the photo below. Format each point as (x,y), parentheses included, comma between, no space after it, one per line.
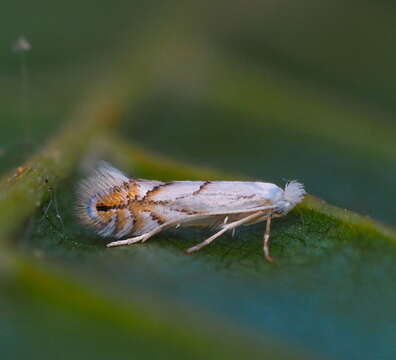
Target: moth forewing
(117,206)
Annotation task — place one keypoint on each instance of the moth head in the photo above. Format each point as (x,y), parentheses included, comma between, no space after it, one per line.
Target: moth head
(292,195)
(102,201)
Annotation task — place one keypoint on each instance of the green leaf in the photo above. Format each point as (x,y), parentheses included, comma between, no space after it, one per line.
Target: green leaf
(86,321)
(63,293)
(293,302)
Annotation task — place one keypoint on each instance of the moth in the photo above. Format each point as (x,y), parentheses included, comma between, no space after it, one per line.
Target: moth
(136,209)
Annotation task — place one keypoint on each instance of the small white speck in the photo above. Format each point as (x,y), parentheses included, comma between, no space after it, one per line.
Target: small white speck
(22,45)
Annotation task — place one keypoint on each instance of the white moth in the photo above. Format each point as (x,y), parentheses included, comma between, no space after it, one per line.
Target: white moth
(117,206)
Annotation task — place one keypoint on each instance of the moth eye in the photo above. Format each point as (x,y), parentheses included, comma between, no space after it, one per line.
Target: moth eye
(281,209)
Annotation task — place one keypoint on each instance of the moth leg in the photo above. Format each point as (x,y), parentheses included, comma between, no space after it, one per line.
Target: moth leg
(143,237)
(266,241)
(130,241)
(206,242)
(225,228)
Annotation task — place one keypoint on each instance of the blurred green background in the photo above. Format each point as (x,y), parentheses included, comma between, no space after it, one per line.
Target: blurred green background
(271,90)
